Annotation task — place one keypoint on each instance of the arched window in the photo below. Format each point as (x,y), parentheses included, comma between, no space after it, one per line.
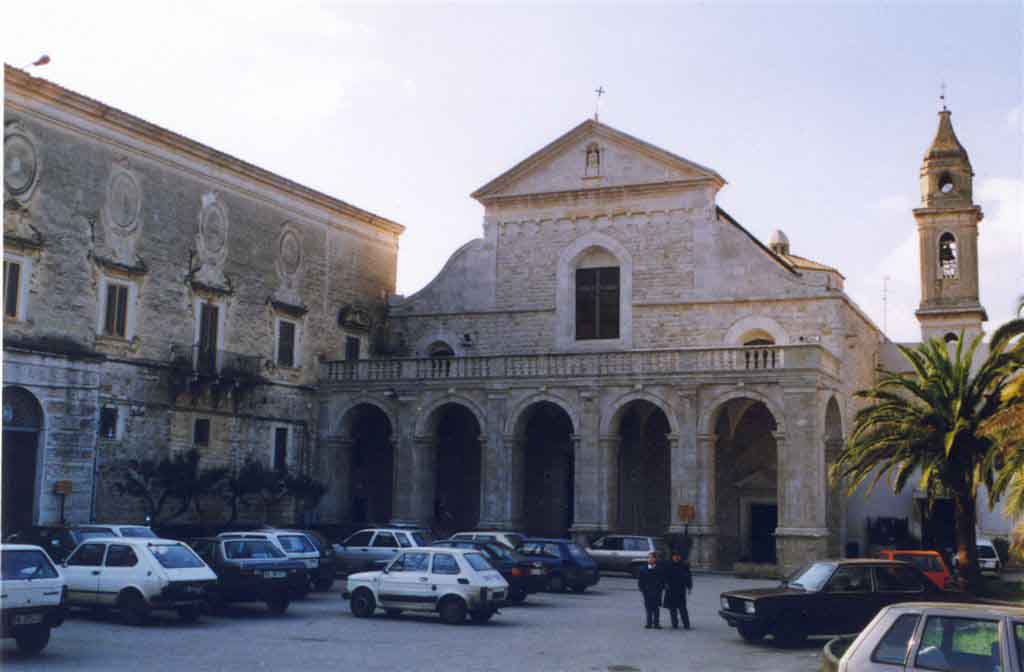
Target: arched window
(948,263)
(439,349)
(950,337)
(597,296)
(757,337)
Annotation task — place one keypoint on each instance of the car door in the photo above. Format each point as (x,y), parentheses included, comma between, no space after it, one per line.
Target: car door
(120,568)
(899,583)
(384,547)
(847,603)
(82,573)
(355,551)
(406,583)
(444,573)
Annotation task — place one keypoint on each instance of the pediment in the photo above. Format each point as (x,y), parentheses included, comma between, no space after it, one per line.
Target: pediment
(761,479)
(595,156)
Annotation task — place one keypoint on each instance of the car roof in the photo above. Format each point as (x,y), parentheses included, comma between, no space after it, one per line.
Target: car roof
(907,552)
(20,547)
(390,529)
(960,608)
(547,540)
(460,551)
(132,541)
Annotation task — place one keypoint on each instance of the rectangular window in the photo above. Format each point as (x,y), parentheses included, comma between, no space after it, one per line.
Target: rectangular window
(280,448)
(12,285)
(108,422)
(285,343)
(950,643)
(351,348)
(206,357)
(201,432)
(115,321)
(597,303)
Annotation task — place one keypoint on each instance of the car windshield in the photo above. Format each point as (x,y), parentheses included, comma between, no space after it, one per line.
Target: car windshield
(175,556)
(478,562)
(254,549)
(296,543)
(986,552)
(501,551)
(27,564)
(138,533)
(812,576)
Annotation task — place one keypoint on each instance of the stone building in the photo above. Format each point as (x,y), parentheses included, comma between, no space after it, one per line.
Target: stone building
(160,295)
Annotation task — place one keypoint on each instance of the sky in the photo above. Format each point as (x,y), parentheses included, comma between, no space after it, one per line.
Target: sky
(817,114)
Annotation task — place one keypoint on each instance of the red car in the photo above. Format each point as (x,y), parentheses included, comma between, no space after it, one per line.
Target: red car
(929,562)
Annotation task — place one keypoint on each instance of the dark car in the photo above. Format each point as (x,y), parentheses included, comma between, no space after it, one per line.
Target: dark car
(57,540)
(524,576)
(828,597)
(323,578)
(569,566)
(250,570)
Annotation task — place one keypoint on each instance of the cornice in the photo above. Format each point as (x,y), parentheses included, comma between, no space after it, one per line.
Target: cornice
(613,191)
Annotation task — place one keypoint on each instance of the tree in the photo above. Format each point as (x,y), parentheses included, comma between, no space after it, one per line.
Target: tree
(176,479)
(239,486)
(932,421)
(306,490)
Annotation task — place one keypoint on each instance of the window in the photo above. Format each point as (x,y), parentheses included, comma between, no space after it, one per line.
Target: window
(1018,633)
(950,337)
(351,348)
(636,544)
(404,540)
(949,643)
(12,288)
(440,349)
(296,543)
(947,256)
(280,448)
(108,422)
(895,645)
(851,579)
(121,556)
(115,311)
(410,562)
(201,432)
(175,556)
(26,564)
(285,343)
(385,540)
(359,539)
(251,550)
(597,303)
(445,564)
(207,338)
(478,562)
(895,579)
(87,555)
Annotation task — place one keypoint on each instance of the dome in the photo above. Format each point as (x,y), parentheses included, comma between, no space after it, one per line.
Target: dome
(778,242)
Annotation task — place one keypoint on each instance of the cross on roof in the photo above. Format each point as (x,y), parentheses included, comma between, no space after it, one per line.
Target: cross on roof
(597,103)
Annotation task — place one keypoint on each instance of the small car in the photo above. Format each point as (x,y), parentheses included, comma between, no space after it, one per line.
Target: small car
(569,566)
(625,553)
(939,636)
(137,576)
(510,539)
(451,581)
(32,599)
(116,530)
(371,548)
(829,597)
(296,546)
(524,576)
(929,562)
(988,557)
(250,570)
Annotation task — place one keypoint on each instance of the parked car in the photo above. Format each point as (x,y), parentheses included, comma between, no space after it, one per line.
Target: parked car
(451,581)
(371,548)
(625,553)
(939,636)
(930,563)
(296,546)
(826,598)
(116,530)
(328,561)
(569,566)
(510,539)
(137,576)
(524,576)
(988,556)
(250,570)
(57,540)
(32,600)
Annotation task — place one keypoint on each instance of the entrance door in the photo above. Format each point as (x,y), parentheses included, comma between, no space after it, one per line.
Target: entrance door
(763,519)
(23,420)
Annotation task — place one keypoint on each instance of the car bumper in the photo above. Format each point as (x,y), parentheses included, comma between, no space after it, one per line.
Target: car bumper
(50,616)
(734,619)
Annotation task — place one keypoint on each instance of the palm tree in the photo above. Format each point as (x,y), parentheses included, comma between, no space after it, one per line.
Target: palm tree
(932,421)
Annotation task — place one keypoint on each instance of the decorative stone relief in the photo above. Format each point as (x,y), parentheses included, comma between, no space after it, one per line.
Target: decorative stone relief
(122,215)
(289,264)
(21,163)
(212,241)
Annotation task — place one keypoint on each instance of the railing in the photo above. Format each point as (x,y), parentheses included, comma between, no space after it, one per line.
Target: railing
(214,363)
(631,363)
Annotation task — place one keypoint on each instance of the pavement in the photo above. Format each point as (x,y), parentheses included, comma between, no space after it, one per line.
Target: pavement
(601,630)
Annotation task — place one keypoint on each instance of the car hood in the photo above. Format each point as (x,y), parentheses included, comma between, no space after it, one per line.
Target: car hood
(755,593)
(364,576)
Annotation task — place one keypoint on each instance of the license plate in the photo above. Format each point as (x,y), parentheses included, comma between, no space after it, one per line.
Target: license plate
(312,563)
(274,575)
(28,619)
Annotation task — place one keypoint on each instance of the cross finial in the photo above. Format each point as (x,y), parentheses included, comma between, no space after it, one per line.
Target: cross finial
(597,103)
(942,96)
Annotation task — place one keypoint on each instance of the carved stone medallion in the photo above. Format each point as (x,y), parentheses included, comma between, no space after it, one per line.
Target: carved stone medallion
(20,164)
(290,253)
(124,201)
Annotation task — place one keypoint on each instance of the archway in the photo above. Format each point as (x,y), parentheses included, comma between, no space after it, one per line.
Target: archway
(371,471)
(545,435)
(457,435)
(746,483)
(23,423)
(643,466)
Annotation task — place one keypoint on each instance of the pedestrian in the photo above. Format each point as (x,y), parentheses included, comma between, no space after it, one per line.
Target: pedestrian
(678,582)
(651,582)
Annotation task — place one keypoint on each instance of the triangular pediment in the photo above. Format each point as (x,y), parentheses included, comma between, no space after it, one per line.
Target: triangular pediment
(595,156)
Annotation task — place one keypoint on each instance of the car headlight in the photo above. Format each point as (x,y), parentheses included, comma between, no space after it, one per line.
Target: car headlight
(725,603)
(748,606)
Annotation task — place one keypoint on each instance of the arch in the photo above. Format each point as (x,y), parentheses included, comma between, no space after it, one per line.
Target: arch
(343,428)
(755,326)
(833,420)
(565,298)
(713,407)
(368,453)
(23,421)
(426,419)
(610,421)
(643,467)
(427,342)
(950,337)
(949,256)
(517,416)
(440,349)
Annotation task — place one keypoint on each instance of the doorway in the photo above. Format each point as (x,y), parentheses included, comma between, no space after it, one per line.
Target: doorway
(23,421)
(763,520)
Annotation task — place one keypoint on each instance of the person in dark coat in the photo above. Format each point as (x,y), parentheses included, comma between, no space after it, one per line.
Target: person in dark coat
(678,582)
(651,582)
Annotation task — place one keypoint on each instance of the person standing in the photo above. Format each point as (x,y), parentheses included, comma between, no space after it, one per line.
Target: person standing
(651,583)
(678,582)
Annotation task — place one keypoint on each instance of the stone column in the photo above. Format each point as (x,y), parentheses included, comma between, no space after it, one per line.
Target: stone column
(496,469)
(705,528)
(515,459)
(337,461)
(589,481)
(414,483)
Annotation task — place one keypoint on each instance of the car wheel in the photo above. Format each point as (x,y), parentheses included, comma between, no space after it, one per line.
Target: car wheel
(278,605)
(789,632)
(751,632)
(323,585)
(480,617)
(392,613)
(363,605)
(453,611)
(556,584)
(133,607)
(32,639)
(578,588)
(189,614)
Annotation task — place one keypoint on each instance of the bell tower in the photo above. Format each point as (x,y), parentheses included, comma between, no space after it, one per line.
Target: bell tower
(947,228)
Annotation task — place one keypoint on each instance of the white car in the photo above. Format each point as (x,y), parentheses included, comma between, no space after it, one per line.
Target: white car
(137,576)
(988,556)
(939,636)
(115,530)
(510,539)
(453,582)
(31,596)
(295,545)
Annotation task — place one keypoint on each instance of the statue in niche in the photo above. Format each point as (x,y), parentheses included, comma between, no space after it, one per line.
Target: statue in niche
(593,167)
